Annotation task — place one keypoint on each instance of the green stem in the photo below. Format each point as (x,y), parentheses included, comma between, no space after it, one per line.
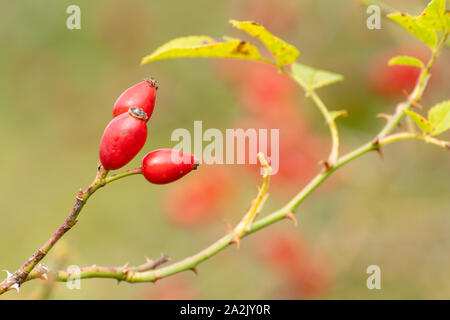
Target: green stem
(331,125)
(412,135)
(123,175)
(329,119)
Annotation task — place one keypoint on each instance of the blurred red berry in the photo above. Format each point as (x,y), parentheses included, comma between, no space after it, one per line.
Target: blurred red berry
(272,100)
(199,199)
(141,95)
(261,89)
(123,138)
(277,16)
(299,151)
(289,256)
(265,86)
(393,81)
(167,165)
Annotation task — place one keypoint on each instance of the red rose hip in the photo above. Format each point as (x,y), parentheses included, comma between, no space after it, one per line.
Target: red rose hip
(167,165)
(141,95)
(123,138)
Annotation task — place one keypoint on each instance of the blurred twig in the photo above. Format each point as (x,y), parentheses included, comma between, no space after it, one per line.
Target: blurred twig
(123,273)
(329,119)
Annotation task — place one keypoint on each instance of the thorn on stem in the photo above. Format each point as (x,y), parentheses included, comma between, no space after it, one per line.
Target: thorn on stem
(236,240)
(80,195)
(125,269)
(194,269)
(376,144)
(384,116)
(16,286)
(8,274)
(416,105)
(291,217)
(326,164)
(380,153)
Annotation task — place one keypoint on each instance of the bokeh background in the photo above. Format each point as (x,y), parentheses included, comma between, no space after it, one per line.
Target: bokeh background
(57,88)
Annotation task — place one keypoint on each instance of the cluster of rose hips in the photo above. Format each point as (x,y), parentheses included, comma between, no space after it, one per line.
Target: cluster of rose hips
(126,134)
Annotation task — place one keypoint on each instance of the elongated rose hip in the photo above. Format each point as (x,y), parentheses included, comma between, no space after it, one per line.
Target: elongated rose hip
(123,138)
(167,165)
(141,95)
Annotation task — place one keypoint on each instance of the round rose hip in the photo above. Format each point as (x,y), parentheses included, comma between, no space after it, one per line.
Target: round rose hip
(123,138)
(141,95)
(167,165)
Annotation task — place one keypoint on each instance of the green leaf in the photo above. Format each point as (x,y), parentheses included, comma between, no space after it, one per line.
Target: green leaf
(439,117)
(406,61)
(313,78)
(283,52)
(204,46)
(434,16)
(429,37)
(421,122)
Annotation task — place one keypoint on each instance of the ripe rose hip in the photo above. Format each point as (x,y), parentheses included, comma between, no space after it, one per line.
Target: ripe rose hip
(167,165)
(141,95)
(123,138)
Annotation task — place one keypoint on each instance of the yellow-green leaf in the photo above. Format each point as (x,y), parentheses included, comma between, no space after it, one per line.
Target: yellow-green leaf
(406,61)
(439,117)
(429,37)
(421,122)
(447,18)
(433,17)
(204,46)
(313,78)
(283,52)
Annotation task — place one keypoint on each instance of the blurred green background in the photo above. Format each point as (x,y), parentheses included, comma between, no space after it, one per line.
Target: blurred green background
(57,88)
